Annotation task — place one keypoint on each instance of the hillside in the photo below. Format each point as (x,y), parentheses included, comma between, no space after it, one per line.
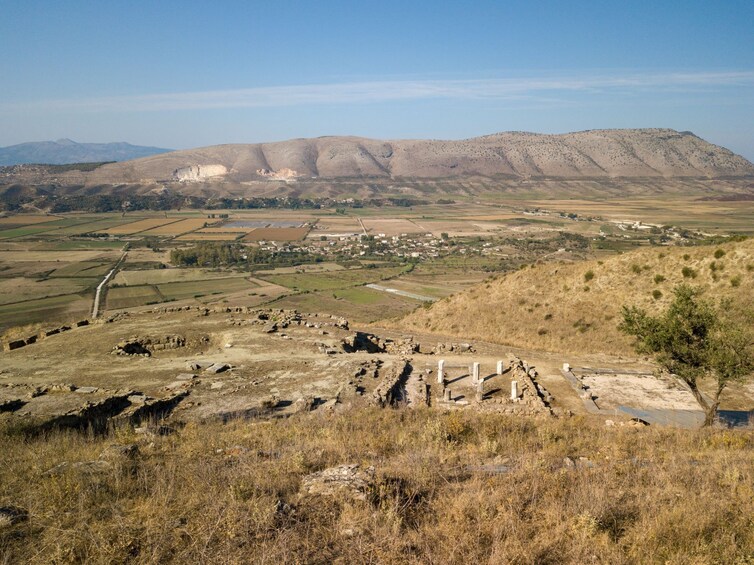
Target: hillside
(65,151)
(592,154)
(575,307)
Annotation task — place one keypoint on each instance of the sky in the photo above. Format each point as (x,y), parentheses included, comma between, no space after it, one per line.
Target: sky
(188,74)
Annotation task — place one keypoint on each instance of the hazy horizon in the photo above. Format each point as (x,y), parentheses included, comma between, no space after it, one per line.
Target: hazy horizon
(252,72)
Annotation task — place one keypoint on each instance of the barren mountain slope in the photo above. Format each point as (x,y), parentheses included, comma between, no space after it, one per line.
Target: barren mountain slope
(597,153)
(575,307)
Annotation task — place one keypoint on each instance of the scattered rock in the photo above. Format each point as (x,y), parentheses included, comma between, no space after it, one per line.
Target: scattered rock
(186,377)
(118,451)
(344,480)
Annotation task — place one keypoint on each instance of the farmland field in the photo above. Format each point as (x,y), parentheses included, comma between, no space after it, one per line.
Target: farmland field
(225,229)
(65,307)
(194,289)
(357,303)
(276,234)
(179,227)
(129,297)
(95,224)
(83,269)
(39,228)
(140,226)
(19,289)
(333,280)
(202,236)
(162,276)
(392,226)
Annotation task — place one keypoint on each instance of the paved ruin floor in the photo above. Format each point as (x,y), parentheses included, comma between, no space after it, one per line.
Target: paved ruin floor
(640,391)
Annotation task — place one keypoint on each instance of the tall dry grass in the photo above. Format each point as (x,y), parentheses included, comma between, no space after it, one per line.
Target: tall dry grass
(644,495)
(575,307)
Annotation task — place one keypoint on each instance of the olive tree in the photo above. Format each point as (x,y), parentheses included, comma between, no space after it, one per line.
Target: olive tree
(694,339)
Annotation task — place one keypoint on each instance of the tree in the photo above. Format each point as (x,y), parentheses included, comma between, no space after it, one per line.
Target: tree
(694,339)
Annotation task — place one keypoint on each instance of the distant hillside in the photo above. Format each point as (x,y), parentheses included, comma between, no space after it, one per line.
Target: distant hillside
(65,151)
(589,154)
(575,307)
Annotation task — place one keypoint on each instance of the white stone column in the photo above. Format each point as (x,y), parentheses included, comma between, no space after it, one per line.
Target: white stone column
(514,390)
(566,367)
(475,378)
(440,371)
(480,391)
(500,366)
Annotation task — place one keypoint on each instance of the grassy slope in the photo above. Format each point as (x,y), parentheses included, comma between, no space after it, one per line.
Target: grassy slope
(182,501)
(549,307)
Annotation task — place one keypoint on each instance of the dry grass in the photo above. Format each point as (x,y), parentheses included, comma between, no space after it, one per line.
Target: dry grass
(638,499)
(575,307)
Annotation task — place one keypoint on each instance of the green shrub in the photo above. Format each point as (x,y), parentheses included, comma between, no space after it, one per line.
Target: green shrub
(659,279)
(719,253)
(688,273)
(636,268)
(735,282)
(686,256)
(656,294)
(589,275)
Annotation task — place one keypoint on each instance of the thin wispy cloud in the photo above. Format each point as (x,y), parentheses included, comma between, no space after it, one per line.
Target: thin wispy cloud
(369,92)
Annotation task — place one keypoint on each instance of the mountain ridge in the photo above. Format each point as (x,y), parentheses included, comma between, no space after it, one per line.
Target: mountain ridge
(605,153)
(66,151)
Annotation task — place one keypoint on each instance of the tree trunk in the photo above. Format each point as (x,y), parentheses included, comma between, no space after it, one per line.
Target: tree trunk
(710,410)
(709,415)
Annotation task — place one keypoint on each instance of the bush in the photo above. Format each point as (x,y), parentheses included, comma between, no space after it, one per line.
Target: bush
(688,273)
(659,279)
(656,294)
(636,268)
(719,253)
(686,256)
(589,275)
(735,282)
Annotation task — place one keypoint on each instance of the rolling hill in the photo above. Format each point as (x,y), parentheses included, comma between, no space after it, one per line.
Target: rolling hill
(575,307)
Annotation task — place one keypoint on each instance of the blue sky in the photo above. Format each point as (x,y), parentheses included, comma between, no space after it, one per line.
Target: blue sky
(186,74)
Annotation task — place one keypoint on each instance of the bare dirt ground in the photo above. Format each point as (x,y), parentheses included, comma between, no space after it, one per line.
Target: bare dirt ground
(277,361)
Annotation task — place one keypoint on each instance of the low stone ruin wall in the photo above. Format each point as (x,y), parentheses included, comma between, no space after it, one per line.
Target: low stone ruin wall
(391,390)
(10,345)
(147,345)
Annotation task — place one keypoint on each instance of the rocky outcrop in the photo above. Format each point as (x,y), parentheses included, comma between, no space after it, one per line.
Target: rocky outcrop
(194,173)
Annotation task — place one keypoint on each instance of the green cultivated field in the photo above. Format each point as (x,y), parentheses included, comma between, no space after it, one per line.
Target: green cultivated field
(195,289)
(131,296)
(83,269)
(333,280)
(57,308)
(358,304)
